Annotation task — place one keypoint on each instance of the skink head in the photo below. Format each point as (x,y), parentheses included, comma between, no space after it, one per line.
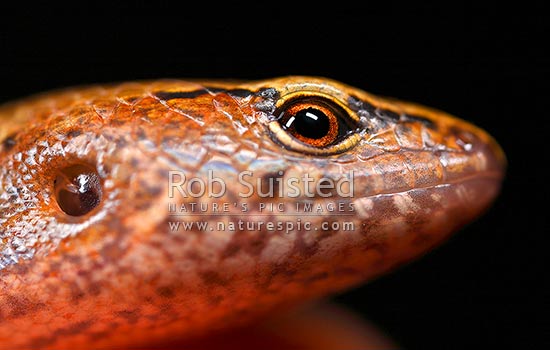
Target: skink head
(202,204)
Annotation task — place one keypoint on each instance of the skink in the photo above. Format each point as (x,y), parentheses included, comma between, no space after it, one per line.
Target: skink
(138,212)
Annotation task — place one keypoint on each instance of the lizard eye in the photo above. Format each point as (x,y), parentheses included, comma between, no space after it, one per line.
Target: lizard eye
(314,125)
(78,189)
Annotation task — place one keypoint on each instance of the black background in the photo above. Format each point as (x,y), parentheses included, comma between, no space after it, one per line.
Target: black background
(483,288)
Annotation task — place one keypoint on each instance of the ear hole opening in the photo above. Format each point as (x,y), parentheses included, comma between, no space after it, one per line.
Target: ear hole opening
(78,189)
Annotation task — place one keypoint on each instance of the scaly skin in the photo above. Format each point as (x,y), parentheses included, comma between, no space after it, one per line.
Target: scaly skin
(119,276)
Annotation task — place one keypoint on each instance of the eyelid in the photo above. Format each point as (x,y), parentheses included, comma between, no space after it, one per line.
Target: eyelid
(289,142)
(293,96)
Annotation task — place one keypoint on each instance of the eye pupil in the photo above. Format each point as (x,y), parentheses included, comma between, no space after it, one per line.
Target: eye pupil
(78,189)
(310,122)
